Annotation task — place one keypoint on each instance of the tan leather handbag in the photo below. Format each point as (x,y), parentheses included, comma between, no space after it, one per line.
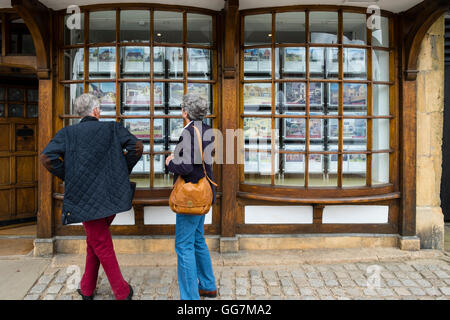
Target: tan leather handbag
(192,198)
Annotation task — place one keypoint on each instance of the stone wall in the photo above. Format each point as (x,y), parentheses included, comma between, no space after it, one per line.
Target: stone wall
(430,115)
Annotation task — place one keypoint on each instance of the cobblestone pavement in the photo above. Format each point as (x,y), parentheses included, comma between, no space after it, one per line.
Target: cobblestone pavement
(421,279)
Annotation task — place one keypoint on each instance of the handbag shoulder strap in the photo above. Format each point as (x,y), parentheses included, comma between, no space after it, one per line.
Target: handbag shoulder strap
(199,138)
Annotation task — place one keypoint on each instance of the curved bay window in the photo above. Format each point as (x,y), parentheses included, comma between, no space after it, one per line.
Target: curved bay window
(140,63)
(318,105)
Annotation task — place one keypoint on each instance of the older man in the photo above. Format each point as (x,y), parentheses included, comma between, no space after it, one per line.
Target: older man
(94,159)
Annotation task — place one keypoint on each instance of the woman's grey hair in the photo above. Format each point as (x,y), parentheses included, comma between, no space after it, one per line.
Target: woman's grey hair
(195,106)
(85,103)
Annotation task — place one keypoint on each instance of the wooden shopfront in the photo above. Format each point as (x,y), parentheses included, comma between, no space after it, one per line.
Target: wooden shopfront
(324,103)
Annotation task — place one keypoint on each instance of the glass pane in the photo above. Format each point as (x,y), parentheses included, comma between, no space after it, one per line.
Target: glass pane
(138,127)
(354,170)
(380,168)
(102,26)
(355,28)
(199,64)
(168,62)
(176,93)
(32,95)
(316,127)
(71,92)
(380,37)
(381,138)
(258,129)
(355,97)
(324,63)
(294,133)
(106,93)
(321,171)
(74,64)
(380,61)
(159,97)
(102,63)
(159,127)
(136,98)
(355,64)
(32,111)
(163,178)
(258,165)
(258,63)
(323,98)
(2,94)
(355,134)
(292,171)
(135,62)
(290,27)
(175,128)
(291,98)
(135,26)
(2,110)
(258,98)
(258,29)
(16,94)
(141,172)
(292,62)
(323,27)
(16,110)
(201,89)
(381,98)
(74,29)
(199,29)
(168,27)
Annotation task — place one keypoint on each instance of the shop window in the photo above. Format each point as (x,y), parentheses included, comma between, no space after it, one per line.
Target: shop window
(140,63)
(316,103)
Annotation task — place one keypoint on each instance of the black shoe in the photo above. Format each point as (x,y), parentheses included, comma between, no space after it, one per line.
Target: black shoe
(130,295)
(85,297)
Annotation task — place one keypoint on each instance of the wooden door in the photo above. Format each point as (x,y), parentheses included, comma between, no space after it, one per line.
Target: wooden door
(18,153)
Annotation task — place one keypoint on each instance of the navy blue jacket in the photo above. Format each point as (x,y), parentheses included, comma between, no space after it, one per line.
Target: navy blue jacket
(89,157)
(192,171)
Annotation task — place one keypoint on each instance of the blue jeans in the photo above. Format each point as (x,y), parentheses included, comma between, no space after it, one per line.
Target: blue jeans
(194,265)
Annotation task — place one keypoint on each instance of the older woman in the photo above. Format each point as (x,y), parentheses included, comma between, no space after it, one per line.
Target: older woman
(194,267)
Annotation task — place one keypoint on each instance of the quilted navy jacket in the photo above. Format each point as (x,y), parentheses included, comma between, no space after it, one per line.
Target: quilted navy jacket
(192,170)
(89,157)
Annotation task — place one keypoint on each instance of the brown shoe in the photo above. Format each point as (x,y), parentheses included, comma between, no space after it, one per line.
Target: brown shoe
(209,294)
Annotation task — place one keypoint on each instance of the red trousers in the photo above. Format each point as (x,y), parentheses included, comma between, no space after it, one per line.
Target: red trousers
(100,250)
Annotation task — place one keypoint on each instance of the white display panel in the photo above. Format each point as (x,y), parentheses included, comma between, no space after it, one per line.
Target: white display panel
(278,214)
(165,216)
(355,214)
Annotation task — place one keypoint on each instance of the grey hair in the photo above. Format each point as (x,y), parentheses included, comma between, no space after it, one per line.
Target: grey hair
(195,106)
(85,103)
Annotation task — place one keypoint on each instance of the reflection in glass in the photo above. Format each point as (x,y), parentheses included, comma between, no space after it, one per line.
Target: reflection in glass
(106,93)
(32,111)
(354,170)
(293,170)
(71,92)
(201,89)
(16,110)
(138,127)
(136,98)
(32,95)
(141,170)
(258,97)
(355,134)
(291,98)
(290,27)
(74,35)
(355,28)
(355,63)
(175,128)
(258,63)
(135,62)
(258,165)
(381,99)
(102,26)
(380,37)
(324,63)
(322,171)
(135,25)
(380,61)
(381,138)
(74,64)
(199,29)
(199,64)
(292,62)
(257,128)
(176,93)
(159,129)
(168,27)
(323,27)
(258,29)
(158,97)
(16,94)
(380,168)
(168,62)
(102,63)
(318,104)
